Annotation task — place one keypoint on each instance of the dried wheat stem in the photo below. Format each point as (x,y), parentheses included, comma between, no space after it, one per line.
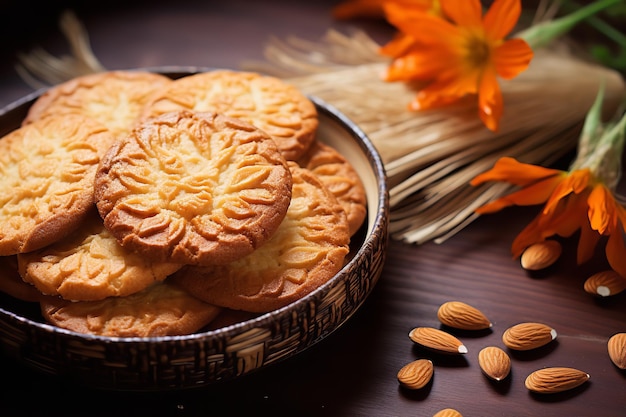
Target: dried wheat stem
(431,156)
(78,38)
(40,69)
(444,207)
(296,56)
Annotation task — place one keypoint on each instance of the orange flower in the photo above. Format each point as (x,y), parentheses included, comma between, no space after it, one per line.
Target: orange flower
(350,9)
(575,200)
(459,54)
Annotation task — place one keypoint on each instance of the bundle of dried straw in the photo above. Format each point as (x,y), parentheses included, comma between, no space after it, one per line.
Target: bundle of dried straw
(430,156)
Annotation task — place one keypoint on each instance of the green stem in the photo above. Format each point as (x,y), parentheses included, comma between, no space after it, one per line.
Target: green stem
(542,34)
(599,24)
(612,141)
(608,30)
(591,132)
(601,146)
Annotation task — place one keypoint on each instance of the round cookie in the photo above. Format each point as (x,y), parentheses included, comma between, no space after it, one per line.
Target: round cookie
(269,103)
(306,251)
(193,188)
(114,98)
(47,170)
(90,265)
(159,310)
(340,177)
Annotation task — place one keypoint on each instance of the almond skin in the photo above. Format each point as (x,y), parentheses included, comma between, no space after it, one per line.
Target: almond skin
(541,255)
(605,283)
(527,336)
(448,412)
(555,379)
(416,374)
(437,340)
(494,362)
(617,349)
(459,315)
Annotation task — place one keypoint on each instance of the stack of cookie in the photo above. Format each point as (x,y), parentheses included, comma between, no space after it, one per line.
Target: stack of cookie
(132,204)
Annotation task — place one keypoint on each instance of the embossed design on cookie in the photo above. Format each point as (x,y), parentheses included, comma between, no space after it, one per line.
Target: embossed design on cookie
(193,188)
(269,103)
(90,265)
(307,250)
(114,98)
(341,179)
(47,170)
(159,310)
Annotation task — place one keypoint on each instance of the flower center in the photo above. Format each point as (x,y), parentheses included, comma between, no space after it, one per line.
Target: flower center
(477,51)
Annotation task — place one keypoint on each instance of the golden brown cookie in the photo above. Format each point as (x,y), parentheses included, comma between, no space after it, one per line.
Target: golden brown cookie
(159,310)
(193,188)
(90,265)
(340,177)
(306,251)
(11,282)
(115,98)
(46,183)
(269,103)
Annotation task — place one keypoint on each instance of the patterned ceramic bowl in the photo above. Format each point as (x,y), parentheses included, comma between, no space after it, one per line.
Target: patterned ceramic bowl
(203,358)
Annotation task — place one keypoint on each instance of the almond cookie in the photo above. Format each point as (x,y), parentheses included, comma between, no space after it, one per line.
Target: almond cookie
(115,98)
(159,310)
(306,251)
(90,265)
(11,282)
(340,177)
(193,188)
(269,103)
(47,170)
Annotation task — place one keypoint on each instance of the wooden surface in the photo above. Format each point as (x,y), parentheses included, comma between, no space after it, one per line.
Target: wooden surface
(352,372)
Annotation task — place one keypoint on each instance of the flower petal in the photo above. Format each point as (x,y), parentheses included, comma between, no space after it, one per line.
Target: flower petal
(425,28)
(615,251)
(564,221)
(587,243)
(490,103)
(533,194)
(425,101)
(570,215)
(443,92)
(510,170)
(531,234)
(425,65)
(501,18)
(602,212)
(575,182)
(398,46)
(512,58)
(463,12)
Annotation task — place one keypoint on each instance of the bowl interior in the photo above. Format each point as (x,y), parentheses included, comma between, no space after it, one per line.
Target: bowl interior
(232,349)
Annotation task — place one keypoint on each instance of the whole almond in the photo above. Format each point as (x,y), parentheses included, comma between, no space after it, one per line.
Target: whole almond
(462,316)
(416,374)
(447,412)
(437,340)
(617,349)
(527,336)
(494,362)
(555,379)
(541,255)
(605,283)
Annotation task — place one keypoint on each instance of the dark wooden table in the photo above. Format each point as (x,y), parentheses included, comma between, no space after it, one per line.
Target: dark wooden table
(352,372)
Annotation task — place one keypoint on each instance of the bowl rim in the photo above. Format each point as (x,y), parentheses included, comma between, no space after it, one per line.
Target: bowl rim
(262,321)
